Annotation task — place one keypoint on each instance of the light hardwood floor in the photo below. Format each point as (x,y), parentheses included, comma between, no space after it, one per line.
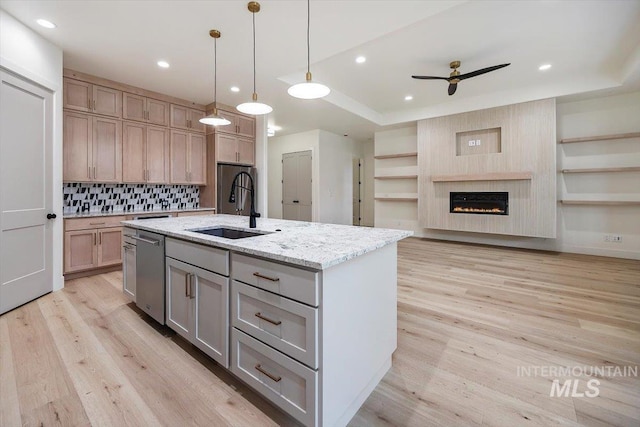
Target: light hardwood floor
(468,317)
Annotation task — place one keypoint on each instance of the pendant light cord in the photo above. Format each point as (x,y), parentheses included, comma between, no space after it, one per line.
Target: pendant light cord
(215,70)
(308,31)
(254,52)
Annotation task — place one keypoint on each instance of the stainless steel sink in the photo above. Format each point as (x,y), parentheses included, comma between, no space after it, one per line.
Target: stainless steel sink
(227,233)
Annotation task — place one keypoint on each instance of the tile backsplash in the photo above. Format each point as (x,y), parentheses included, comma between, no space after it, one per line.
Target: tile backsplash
(108,198)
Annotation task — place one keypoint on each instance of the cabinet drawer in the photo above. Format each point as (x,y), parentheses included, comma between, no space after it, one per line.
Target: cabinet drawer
(93,222)
(295,283)
(212,259)
(287,383)
(284,324)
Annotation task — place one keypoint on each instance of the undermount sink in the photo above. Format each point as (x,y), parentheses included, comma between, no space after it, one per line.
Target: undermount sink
(228,233)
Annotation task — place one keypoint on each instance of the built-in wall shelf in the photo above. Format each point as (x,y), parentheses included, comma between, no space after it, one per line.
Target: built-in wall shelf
(601,138)
(397,177)
(397,197)
(396,156)
(601,202)
(598,170)
(497,176)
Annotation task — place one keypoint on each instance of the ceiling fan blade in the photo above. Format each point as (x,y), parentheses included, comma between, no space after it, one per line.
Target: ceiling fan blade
(430,78)
(452,88)
(481,71)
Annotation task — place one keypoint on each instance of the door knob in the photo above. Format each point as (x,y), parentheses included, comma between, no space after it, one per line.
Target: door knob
(51,216)
(296,201)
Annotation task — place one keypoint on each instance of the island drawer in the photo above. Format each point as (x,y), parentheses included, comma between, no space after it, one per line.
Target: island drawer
(212,259)
(282,323)
(295,283)
(73,224)
(288,384)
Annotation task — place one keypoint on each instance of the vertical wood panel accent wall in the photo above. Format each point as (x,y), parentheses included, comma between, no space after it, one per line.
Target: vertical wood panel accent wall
(527,147)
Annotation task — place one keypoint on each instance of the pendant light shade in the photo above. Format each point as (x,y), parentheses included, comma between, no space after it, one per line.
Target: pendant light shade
(254,107)
(214,119)
(308,89)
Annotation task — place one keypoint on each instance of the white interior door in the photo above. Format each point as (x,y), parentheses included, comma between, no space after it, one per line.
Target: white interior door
(296,186)
(26,238)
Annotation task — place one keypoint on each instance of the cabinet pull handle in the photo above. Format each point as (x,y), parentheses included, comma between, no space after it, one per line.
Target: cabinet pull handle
(97,223)
(186,285)
(94,239)
(273,377)
(89,172)
(191,293)
(94,172)
(88,103)
(100,237)
(277,279)
(275,322)
(94,105)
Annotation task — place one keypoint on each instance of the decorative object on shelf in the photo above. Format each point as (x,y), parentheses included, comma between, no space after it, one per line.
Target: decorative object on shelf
(254,107)
(308,89)
(214,119)
(455,77)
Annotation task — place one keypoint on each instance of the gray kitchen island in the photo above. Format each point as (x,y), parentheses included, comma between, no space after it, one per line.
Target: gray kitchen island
(304,313)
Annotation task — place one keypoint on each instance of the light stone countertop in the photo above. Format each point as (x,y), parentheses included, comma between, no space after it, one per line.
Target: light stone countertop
(146,213)
(307,244)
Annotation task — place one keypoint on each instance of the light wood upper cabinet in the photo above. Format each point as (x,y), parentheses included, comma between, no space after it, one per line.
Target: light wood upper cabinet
(188,158)
(145,152)
(92,149)
(142,109)
(187,118)
(90,98)
(232,149)
(240,125)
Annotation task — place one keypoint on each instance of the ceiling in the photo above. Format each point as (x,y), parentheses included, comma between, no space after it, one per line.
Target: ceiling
(592,46)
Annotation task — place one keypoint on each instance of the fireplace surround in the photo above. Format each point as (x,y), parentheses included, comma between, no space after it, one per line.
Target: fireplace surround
(482,203)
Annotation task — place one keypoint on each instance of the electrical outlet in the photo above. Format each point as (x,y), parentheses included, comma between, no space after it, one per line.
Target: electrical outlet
(612,238)
(477,142)
(472,143)
(607,237)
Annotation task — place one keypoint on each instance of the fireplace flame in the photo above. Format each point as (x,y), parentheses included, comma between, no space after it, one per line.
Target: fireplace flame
(477,210)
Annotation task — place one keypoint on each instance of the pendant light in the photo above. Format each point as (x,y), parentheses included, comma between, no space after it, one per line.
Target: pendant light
(254,107)
(308,89)
(214,119)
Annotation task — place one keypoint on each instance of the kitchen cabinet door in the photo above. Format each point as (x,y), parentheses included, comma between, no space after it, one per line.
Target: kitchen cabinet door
(194,120)
(226,148)
(133,107)
(211,331)
(197,159)
(77,95)
(179,161)
(157,155)
(246,126)
(80,250)
(109,246)
(246,150)
(179,117)
(77,147)
(106,101)
(134,146)
(157,112)
(107,150)
(178,300)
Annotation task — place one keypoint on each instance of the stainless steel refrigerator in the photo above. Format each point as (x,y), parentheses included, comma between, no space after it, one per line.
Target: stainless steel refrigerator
(226,173)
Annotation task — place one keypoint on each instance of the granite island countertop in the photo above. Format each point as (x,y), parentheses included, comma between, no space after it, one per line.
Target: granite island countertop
(307,244)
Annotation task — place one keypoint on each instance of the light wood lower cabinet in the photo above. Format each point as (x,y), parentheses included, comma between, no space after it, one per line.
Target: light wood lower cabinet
(91,243)
(197,308)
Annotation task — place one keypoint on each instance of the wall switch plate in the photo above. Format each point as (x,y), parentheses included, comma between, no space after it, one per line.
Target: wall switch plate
(477,142)
(472,143)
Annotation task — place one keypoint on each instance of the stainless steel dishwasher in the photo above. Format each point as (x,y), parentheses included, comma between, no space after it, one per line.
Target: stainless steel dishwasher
(150,274)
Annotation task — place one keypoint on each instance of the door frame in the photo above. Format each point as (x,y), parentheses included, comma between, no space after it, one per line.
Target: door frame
(315,181)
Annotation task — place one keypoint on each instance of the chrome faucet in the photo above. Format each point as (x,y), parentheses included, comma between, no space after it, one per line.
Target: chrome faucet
(232,197)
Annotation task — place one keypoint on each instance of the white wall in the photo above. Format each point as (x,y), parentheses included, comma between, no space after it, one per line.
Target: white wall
(277,146)
(367,206)
(262,166)
(26,53)
(580,229)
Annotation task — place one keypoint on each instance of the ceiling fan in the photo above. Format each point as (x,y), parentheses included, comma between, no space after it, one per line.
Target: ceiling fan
(455,77)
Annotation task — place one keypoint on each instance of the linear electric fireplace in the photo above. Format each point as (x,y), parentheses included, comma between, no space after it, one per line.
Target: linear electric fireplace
(479,203)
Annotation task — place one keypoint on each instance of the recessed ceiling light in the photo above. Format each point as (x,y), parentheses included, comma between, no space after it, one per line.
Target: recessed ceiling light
(408,98)
(235,89)
(45,23)
(361,59)
(163,64)
(544,67)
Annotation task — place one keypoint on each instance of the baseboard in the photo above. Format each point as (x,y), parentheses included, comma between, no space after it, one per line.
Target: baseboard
(92,272)
(613,253)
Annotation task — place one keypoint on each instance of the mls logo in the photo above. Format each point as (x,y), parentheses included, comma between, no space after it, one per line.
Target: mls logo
(570,388)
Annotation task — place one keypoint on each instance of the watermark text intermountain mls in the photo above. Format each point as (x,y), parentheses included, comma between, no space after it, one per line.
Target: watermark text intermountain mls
(572,386)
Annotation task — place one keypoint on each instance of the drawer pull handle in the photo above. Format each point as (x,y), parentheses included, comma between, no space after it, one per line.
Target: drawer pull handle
(277,279)
(97,223)
(275,322)
(273,377)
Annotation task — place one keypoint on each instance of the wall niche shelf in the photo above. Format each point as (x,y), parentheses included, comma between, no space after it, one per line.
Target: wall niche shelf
(497,176)
(598,170)
(601,202)
(397,177)
(397,197)
(601,138)
(395,156)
